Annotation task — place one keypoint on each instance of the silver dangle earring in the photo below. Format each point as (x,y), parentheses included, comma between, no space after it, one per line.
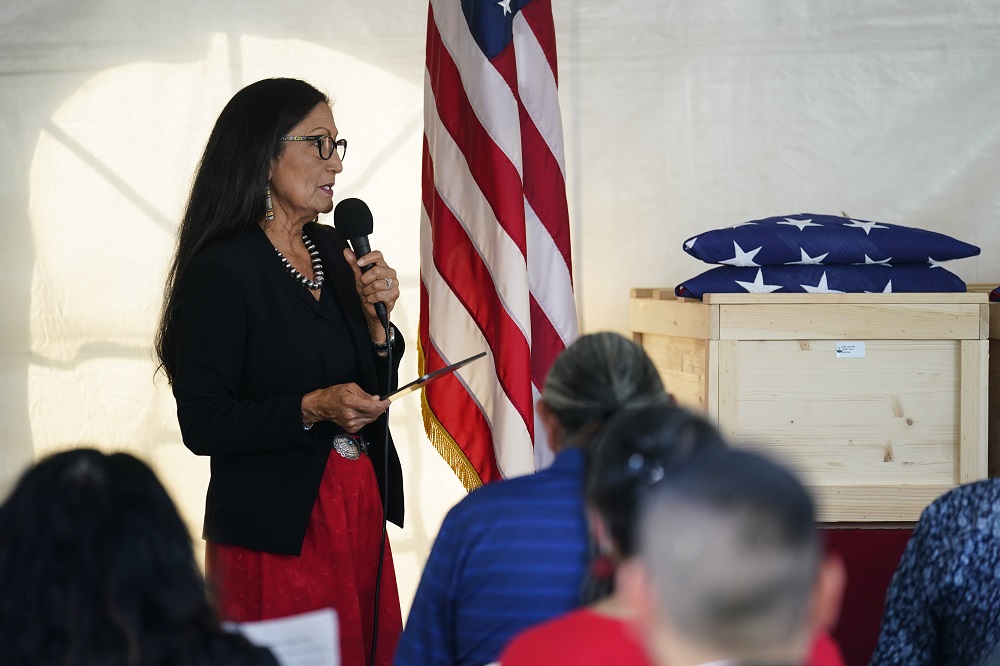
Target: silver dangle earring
(268,208)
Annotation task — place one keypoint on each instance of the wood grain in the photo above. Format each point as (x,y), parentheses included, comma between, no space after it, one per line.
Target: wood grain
(877,437)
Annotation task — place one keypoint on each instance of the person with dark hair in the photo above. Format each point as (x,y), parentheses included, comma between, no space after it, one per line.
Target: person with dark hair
(96,567)
(514,553)
(628,457)
(731,565)
(270,338)
(943,605)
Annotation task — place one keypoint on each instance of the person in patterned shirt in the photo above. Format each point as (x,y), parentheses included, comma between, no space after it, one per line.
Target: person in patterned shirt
(943,605)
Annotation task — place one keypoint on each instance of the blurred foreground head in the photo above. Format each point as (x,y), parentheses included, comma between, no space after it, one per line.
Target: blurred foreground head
(627,459)
(631,455)
(731,564)
(96,567)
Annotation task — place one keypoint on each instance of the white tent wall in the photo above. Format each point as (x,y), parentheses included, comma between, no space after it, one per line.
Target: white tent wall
(678,117)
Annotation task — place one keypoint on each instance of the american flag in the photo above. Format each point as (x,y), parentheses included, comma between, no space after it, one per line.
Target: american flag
(496,273)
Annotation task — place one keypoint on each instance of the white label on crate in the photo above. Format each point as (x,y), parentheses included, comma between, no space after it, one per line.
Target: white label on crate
(850,350)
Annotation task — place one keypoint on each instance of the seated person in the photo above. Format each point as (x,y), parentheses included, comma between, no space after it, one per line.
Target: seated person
(96,567)
(627,458)
(514,553)
(731,565)
(943,605)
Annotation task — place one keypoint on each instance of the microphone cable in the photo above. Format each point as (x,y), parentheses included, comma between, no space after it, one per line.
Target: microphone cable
(384,497)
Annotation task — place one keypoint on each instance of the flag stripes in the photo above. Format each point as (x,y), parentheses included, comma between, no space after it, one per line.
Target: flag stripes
(496,269)
(469,279)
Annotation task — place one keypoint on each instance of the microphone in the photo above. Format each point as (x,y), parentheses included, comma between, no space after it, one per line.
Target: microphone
(353,221)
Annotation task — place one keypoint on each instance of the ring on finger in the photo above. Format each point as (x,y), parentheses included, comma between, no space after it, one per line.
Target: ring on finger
(388,283)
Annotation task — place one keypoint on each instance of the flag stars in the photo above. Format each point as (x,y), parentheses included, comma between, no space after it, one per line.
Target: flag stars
(887,290)
(881,262)
(935,263)
(821,288)
(801,224)
(758,286)
(867,226)
(807,260)
(744,259)
(506,6)
(690,243)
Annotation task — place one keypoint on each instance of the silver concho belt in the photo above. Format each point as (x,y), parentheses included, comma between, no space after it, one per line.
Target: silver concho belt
(350,446)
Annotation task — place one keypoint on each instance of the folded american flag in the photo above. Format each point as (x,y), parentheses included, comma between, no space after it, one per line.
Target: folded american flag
(823,254)
(886,279)
(809,238)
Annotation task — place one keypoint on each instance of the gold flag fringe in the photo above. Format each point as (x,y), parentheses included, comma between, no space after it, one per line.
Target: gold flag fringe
(441,439)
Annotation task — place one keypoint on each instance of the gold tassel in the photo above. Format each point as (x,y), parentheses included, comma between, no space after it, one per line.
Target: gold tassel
(441,439)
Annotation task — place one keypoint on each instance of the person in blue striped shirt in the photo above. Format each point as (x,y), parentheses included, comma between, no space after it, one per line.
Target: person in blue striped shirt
(514,553)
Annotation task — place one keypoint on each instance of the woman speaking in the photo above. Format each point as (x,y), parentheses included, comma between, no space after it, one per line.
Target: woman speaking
(276,356)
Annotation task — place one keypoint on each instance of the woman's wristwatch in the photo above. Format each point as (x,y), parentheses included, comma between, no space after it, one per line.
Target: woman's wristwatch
(382,348)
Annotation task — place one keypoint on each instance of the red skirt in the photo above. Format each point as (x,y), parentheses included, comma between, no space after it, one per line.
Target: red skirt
(338,568)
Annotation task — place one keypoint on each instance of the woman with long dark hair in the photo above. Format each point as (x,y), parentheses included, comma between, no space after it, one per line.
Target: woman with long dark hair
(96,567)
(276,355)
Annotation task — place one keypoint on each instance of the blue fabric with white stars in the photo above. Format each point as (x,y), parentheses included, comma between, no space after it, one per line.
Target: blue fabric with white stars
(821,280)
(806,239)
(823,254)
(493,30)
(943,605)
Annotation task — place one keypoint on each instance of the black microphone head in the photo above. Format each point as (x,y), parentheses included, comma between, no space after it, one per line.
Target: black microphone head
(352,219)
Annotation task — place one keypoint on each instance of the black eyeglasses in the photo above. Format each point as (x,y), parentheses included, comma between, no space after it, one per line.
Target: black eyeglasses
(324,143)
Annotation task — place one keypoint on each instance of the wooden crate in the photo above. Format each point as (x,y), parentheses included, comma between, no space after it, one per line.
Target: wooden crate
(993,406)
(993,410)
(876,436)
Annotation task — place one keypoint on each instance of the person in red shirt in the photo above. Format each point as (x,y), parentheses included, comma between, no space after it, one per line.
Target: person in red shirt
(627,458)
(600,633)
(729,566)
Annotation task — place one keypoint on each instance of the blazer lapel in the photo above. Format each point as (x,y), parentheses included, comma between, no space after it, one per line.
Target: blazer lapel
(340,284)
(340,279)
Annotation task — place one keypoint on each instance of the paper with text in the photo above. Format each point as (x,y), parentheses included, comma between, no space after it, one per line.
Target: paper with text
(307,639)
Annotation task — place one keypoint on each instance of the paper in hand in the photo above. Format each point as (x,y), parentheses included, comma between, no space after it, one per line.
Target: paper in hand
(426,379)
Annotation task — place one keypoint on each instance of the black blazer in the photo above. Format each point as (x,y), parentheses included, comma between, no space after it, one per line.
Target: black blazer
(250,342)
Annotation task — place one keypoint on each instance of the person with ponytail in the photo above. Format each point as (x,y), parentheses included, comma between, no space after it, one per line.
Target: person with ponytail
(514,553)
(730,566)
(627,458)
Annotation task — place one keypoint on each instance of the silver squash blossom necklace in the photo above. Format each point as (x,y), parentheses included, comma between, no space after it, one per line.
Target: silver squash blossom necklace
(317,265)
